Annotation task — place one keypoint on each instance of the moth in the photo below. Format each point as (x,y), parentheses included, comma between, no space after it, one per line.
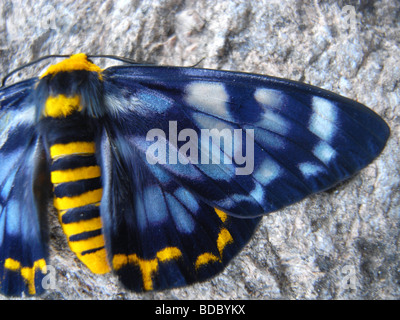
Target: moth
(162,174)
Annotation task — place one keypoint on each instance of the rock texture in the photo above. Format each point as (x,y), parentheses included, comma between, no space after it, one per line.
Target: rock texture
(340,244)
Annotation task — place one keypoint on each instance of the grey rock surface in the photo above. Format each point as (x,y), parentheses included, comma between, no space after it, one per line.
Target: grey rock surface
(339,244)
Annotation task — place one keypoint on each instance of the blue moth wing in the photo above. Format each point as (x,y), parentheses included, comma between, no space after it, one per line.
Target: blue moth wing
(305,139)
(158,235)
(171,223)
(23,194)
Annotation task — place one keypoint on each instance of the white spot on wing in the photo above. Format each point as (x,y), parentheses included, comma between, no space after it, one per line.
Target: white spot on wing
(156,211)
(267,172)
(182,218)
(257,193)
(274,122)
(26,117)
(269,97)
(14,118)
(208,122)
(8,184)
(142,103)
(187,199)
(208,97)
(322,121)
(117,104)
(309,169)
(324,152)
(12,221)
(268,139)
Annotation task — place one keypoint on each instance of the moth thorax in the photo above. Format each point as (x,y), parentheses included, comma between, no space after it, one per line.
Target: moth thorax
(62,106)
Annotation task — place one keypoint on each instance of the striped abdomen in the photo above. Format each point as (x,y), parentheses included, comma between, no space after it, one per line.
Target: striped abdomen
(77,195)
(76,179)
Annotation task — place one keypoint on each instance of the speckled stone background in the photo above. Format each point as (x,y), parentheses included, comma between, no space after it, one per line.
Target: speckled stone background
(340,244)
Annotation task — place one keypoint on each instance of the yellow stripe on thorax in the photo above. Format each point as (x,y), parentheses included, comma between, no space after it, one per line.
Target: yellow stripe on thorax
(75,62)
(61,106)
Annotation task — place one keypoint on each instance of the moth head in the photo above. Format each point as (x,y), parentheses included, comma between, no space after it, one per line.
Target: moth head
(72,85)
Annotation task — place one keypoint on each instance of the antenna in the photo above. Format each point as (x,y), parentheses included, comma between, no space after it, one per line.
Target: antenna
(3,81)
(107,56)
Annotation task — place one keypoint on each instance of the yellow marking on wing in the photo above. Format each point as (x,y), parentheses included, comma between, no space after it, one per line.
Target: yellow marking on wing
(28,273)
(169,253)
(69,175)
(12,264)
(71,229)
(78,147)
(119,261)
(84,199)
(222,215)
(147,267)
(96,261)
(61,106)
(205,258)
(224,238)
(75,62)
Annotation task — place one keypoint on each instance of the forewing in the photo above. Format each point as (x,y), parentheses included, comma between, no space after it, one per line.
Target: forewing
(298,139)
(23,194)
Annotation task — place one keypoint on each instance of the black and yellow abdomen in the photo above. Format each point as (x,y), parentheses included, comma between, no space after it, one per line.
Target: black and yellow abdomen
(76,179)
